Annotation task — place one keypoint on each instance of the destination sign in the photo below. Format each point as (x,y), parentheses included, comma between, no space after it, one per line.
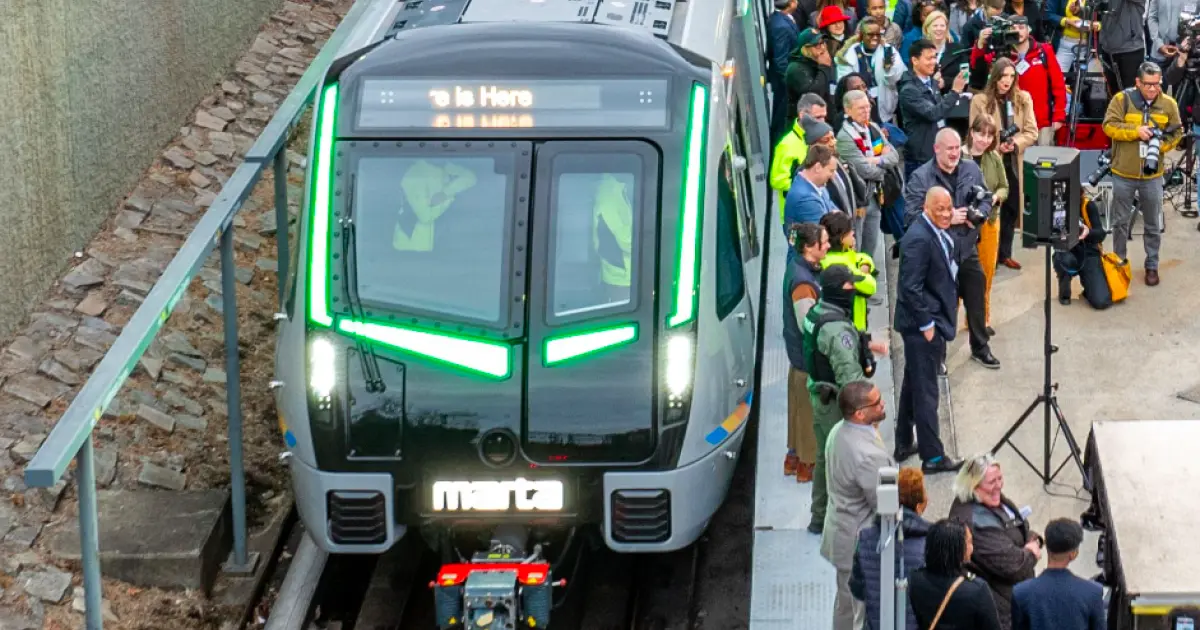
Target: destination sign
(470,103)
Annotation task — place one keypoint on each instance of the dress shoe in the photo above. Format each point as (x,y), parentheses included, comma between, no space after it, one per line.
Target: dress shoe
(985,358)
(790,463)
(816,527)
(940,465)
(1151,277)
(903,453)
(942,369)
(804,472)
(1011,264)
(991,332)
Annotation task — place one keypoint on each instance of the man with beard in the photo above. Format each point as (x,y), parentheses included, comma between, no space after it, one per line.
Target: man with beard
(856,453)
(834,356)
(949,171)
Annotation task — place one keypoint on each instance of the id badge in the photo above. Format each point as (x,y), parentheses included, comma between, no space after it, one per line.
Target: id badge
(1022,67)
(1026,512)
(1143,150)
(941,123)
(833,88)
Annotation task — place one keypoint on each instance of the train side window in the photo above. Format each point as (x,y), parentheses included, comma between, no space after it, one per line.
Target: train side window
(731,280)
(746,192)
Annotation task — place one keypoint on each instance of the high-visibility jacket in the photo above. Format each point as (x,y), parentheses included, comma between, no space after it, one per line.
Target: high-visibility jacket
(789,156)
(864,288)
(421,184)
(613,214)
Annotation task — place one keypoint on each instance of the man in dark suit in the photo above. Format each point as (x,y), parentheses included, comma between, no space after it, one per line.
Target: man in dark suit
(926,318)
(782,31)
(1058,599)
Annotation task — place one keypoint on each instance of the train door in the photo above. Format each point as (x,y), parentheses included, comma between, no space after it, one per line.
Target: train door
(733,305)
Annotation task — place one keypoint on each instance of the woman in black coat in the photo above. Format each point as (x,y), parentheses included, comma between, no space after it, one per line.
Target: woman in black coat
(969,606)
(1005,549)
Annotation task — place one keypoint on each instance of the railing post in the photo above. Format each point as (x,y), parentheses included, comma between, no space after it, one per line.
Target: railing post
(89,536)
(233,388)
(888,507)
(282,231)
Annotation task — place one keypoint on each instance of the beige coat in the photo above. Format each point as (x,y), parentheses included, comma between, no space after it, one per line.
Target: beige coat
(1025,138)
(853,456)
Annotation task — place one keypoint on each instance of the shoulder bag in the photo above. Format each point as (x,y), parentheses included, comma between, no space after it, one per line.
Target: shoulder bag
(946,600)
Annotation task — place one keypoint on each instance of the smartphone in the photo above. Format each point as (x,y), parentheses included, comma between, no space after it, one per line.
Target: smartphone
(965,70)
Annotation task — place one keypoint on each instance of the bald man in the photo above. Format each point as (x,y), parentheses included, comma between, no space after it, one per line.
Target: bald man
(926,318)
(948,170)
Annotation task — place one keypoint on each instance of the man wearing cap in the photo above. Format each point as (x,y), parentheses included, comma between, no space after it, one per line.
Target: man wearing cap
(810,70)
(834,355)
(1058,599)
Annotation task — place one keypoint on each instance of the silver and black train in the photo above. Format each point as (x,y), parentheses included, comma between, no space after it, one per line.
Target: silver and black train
(528,277)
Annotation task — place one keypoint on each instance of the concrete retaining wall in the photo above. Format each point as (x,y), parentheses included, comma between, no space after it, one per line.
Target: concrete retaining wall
(92,90)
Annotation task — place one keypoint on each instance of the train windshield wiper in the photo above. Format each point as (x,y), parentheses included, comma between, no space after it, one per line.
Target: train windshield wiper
(366,353)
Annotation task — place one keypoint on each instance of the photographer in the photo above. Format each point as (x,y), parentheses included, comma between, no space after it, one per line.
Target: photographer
(964,180)
(1123,42)
(988,9)
(1012,108)
(1084,260)
(923,107)
(1037,71)
(1163,25)
(1144,126)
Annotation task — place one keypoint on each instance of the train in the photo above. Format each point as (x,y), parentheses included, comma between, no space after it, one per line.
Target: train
(525,296)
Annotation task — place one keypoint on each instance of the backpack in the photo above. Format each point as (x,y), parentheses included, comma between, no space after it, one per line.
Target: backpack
(1116,271)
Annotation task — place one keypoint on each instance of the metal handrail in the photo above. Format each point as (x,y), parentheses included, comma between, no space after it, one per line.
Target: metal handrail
(71,437)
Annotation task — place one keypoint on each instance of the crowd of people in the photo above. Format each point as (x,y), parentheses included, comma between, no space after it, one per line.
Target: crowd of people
(912,120)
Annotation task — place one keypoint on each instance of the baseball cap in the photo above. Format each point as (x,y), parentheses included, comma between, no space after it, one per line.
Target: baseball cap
(809,37)
(834,276)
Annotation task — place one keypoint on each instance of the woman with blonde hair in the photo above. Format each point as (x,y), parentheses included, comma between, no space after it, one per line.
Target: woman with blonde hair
(980,146)
(1012,109)
(1006,550)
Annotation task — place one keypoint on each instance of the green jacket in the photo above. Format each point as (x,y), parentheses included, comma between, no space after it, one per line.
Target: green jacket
(837,341)
(865,287)
(789,155)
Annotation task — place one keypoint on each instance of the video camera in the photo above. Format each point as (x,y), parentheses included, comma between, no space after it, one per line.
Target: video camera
(975,216)
(1189,22)
(1004,34)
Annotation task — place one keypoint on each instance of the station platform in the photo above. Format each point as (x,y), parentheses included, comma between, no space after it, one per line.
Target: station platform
(1115,364)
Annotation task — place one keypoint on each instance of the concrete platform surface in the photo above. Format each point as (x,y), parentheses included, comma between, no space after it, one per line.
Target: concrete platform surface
(159,539)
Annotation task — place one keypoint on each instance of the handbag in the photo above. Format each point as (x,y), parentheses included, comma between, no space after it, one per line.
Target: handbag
(946,600)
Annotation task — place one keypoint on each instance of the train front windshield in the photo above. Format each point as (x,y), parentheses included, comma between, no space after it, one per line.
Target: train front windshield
(435,230)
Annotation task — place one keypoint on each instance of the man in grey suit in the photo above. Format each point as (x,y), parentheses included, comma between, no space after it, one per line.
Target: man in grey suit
(854,454)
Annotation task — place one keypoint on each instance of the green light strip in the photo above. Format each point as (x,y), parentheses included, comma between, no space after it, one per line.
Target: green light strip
(489,359)
(318,251)
(687,269)
(575,345)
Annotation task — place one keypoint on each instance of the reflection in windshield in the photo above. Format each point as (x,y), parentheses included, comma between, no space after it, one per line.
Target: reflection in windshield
(594,220)
(433,232)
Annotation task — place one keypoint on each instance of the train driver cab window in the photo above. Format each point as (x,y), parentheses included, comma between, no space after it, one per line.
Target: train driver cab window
(597,208)
(433,233)
(731,279)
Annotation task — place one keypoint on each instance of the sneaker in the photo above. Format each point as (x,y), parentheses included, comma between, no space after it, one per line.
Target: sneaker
(790,462)
(804,472)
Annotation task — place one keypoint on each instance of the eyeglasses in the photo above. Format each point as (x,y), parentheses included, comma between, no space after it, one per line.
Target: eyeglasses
(878,403)
(1156,84)
(871,34)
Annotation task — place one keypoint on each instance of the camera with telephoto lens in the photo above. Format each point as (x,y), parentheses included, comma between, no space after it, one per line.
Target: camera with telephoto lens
(1153,151)
(1008,133)
(976,196)
(1004,34)
(1189,22)
(1104,167)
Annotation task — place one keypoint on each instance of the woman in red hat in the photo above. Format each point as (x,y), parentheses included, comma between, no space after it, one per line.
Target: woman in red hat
(834,22)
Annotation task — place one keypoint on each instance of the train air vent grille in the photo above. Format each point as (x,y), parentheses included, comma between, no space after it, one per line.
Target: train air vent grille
(641,516)
(357,518)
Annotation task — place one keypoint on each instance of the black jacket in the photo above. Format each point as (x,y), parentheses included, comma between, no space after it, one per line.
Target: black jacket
(857,190)
(927,290)
(1000,557)
(805,76)
(920,110)
(970,608)
(967,176)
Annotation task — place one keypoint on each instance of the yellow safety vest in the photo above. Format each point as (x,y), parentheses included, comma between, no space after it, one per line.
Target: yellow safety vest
(865,287)
(420,184)
(789,155)
(613,211)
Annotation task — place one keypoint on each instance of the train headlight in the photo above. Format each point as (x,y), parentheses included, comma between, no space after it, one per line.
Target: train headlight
(322,370)
(679,366)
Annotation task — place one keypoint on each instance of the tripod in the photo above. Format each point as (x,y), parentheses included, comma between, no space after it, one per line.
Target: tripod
(1188,93)
(1083,59)
(1049,402)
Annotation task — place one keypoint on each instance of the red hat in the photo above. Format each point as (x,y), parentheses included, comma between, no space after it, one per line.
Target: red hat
(831,15)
